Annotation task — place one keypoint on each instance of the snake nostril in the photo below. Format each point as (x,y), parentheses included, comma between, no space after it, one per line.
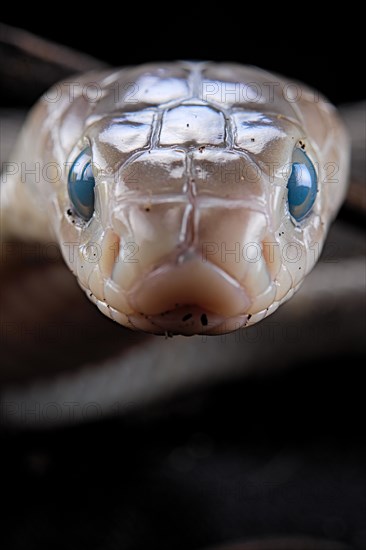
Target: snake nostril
(110,252)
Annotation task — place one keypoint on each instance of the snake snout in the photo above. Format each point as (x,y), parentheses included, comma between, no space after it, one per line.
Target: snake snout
(162,282)
(187,297)
(192,282)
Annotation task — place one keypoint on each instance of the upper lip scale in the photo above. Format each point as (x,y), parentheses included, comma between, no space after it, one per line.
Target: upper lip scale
(193,282)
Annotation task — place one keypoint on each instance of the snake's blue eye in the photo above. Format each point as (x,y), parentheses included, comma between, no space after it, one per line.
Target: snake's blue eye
(81,185)
(302,185)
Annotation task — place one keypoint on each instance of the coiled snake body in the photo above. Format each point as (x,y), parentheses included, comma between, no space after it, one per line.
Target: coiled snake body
(185,197)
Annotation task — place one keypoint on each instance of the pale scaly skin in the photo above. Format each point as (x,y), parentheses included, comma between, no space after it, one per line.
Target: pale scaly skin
(191,231)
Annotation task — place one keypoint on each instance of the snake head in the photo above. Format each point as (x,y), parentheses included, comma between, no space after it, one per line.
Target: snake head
(192,213)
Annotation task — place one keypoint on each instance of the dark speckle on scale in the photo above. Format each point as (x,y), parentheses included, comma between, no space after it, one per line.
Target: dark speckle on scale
(187,316)
(204,320)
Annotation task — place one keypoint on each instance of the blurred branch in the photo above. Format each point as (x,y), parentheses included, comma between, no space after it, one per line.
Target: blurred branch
(30,65)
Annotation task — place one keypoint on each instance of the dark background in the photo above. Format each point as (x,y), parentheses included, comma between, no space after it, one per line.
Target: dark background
(280,454)
(301,47)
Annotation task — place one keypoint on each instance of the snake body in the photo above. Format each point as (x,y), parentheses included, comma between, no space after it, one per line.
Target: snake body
(191,229)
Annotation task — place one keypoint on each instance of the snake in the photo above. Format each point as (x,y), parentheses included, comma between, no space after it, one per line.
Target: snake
(186,197)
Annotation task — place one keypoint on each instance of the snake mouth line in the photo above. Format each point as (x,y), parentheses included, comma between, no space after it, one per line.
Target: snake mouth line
(182,319)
